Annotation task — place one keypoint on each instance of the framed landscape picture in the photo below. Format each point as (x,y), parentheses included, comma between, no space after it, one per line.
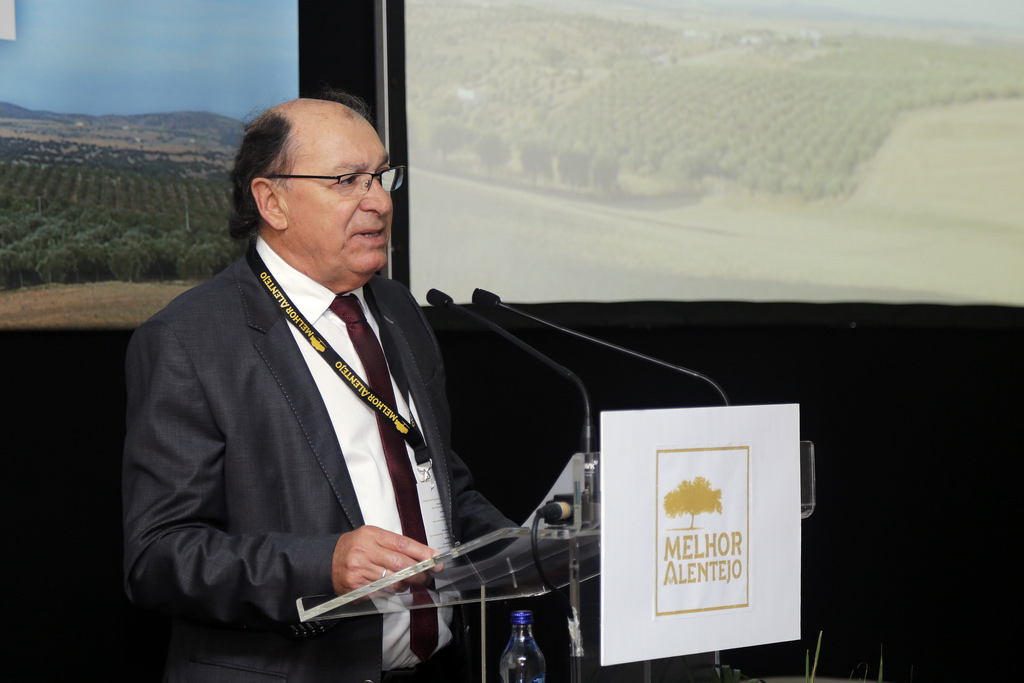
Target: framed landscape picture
(118,126)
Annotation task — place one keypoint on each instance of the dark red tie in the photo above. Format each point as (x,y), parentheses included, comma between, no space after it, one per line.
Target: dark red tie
(424,620)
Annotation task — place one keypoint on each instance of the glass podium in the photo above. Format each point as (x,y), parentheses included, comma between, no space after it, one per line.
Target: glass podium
(529,561)
(515,562)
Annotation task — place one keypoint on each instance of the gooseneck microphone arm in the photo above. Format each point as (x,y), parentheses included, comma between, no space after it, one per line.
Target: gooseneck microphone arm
(442,300)
(481,297)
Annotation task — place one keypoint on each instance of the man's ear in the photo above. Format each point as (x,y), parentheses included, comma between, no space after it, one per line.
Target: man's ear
(270,202)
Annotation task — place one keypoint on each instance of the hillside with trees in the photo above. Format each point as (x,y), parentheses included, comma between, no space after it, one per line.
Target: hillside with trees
(689,104)
(127,198)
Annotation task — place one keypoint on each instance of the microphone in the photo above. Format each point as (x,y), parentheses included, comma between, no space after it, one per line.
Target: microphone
(482,297)
(556,511)
(442,300)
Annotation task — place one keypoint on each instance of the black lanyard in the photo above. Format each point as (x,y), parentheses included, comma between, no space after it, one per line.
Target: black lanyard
(407,428)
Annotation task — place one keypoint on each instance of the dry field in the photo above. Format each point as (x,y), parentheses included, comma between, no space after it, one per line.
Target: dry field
(104,305)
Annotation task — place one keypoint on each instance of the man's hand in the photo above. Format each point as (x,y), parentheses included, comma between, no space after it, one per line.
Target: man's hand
(363,555)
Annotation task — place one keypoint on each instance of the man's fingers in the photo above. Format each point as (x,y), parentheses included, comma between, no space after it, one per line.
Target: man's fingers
(363,555)
(406,547)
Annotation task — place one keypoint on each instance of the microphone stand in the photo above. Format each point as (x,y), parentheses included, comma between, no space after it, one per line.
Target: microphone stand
(442,300)
(482,297)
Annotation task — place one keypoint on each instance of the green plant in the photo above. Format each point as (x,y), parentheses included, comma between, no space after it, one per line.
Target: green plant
(810,669)
(726,674)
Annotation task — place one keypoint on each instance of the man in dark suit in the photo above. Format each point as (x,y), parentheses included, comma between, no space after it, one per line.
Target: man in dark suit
(255,469)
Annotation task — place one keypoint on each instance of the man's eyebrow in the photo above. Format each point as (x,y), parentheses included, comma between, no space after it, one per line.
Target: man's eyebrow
(344,168)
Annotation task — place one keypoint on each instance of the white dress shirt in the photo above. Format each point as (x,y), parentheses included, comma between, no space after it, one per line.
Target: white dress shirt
(355,425)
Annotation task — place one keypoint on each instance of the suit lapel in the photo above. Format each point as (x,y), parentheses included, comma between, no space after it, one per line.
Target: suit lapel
(275,344)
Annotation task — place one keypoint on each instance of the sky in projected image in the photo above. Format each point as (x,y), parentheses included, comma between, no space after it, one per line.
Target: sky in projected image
(118,57)
(760,150)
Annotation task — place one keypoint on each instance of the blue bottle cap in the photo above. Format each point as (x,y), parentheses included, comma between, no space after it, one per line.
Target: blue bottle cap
(522,617)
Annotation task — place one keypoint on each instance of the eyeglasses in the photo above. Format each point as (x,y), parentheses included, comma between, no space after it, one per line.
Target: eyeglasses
(358,184)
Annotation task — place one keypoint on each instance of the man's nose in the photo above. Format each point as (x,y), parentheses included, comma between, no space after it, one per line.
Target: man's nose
(376,196)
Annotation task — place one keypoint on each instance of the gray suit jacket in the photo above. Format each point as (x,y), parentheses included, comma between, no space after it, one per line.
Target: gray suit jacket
(235,488)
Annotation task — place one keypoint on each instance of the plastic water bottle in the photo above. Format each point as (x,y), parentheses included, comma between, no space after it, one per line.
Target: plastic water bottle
(522,661)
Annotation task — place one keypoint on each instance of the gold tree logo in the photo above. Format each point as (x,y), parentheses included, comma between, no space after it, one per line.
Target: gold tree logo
(693,498)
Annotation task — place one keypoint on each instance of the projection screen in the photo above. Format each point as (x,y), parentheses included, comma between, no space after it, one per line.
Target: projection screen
(760,150)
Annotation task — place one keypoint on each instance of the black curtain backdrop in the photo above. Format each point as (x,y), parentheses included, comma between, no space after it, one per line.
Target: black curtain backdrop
(915,413)
(916,428)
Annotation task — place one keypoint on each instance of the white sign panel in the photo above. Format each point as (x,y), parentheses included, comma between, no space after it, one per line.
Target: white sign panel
(7,31)
(700,530)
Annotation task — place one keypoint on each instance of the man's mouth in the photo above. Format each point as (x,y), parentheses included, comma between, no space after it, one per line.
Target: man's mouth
(377,233)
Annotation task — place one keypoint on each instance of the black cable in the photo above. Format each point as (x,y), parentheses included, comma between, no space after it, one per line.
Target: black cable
(535,548)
